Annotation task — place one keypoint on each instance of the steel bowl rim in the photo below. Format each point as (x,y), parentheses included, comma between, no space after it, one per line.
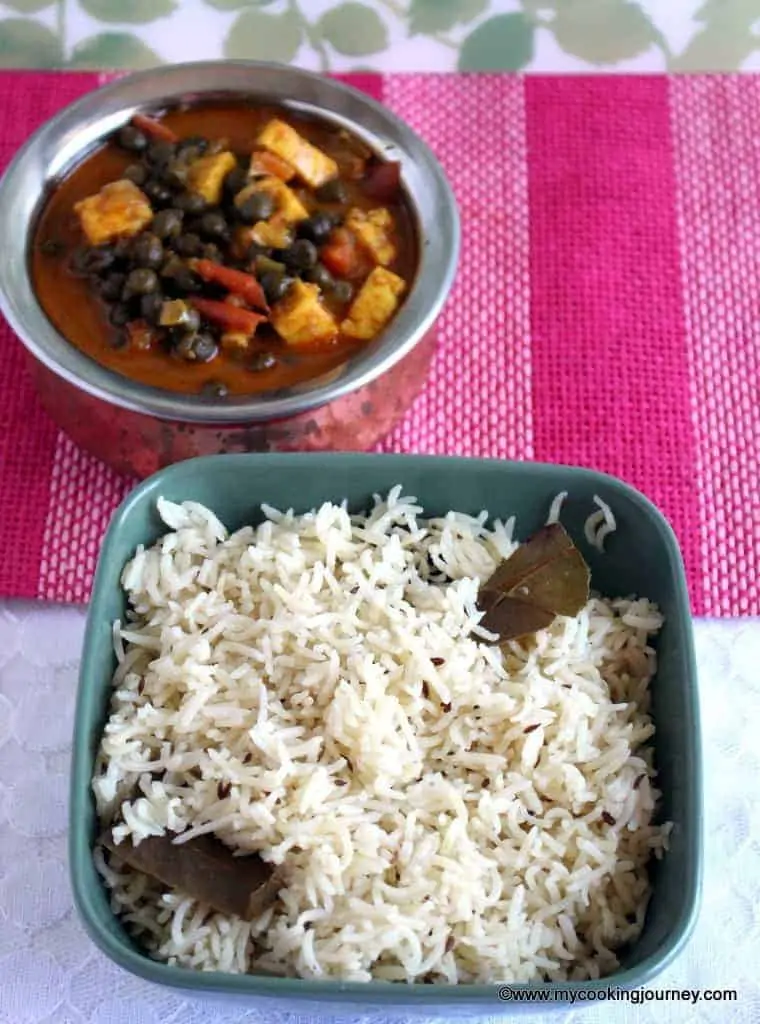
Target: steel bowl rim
(438,255)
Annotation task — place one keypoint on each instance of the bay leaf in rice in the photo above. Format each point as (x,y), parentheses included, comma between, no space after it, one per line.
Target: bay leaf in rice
(205,869)
(545,576)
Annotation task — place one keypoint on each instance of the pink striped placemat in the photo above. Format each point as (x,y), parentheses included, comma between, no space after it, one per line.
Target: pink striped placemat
(606,313)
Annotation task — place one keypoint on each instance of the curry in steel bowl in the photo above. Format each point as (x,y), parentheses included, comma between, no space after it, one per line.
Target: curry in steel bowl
(225,248)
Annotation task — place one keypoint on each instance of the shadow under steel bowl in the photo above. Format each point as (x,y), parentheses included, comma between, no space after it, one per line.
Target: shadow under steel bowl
(137,428)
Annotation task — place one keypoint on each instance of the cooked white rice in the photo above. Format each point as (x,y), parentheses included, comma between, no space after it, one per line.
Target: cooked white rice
(445,810)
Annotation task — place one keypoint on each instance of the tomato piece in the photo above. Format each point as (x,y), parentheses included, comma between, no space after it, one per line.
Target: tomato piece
(383,180)
(235,281)
(263,162)
(154,128)
(341,255)
(231,318)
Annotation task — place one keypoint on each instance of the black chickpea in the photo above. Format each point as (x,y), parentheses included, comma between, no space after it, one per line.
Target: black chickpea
(148,251)
(167,223)
(157,192)
(150,307)
(321,276)
(188,244)
(276,286)
(255,207)
(160,152)
(316,228)
(235,181)
(190,202)
(98,261)
(140,282)
(213,225)
(132,139)
(197,348)
(136,173)
(301,255)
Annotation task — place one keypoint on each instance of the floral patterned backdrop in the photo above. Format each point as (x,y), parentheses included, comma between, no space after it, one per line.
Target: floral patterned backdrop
(532,35)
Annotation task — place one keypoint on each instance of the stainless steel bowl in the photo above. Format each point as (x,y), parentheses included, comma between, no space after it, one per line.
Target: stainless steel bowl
(137,428)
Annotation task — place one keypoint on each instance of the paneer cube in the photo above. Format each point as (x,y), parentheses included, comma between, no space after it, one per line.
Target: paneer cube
(119,210)
(311,164)
(274,234)
(374,229)
(377,301)
(300,318)
(206,175)
(288,205)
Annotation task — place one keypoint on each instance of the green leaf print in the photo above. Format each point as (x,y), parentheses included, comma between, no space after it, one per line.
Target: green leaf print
(132,12)
(256,35)
(738,12)
(113,50)
(236,5)
(27,44)
(602,31)
(502,43)
(429,16)
(354,29)
(28,6)
(717,48)
(725,41)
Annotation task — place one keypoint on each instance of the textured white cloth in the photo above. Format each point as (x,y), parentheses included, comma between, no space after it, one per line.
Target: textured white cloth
(50,973)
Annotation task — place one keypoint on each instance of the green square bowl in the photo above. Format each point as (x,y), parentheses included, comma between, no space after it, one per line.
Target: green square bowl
(642,557)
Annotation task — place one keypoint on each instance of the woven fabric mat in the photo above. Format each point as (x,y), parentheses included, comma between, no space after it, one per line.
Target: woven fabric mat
(606,312)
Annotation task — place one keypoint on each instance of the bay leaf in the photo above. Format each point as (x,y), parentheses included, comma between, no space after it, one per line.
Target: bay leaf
(545,576)
(205,869)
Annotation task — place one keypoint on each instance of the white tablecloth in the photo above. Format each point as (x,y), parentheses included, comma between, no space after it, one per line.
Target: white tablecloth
(50,973)
(387,35)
